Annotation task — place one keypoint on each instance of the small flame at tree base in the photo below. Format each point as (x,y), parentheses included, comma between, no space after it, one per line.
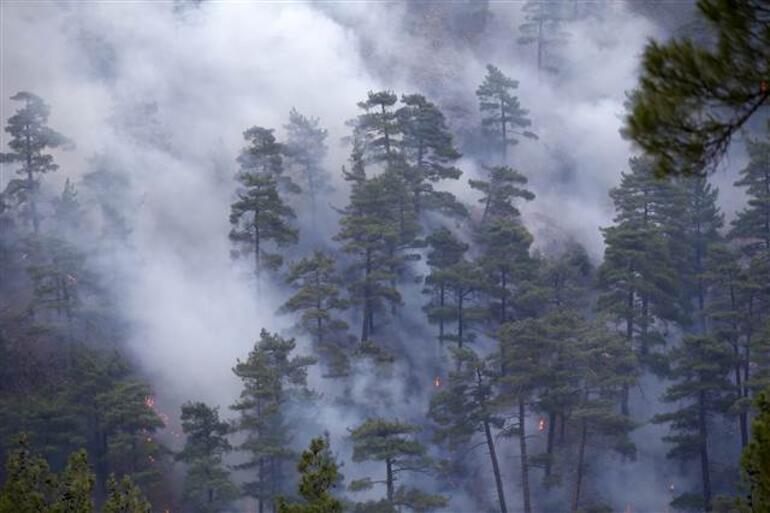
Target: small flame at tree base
(437,382)
(541,424)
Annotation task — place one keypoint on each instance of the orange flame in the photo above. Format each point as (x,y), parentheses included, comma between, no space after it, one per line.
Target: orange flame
(541,424)
(437,382)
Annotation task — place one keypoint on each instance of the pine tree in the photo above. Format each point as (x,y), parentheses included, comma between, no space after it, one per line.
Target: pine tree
(377,130)
(702,224)
(466,408)
(430,155)
(369,231)
(318,299)
(259,216)
(28,484)
(693,97)
(207,487)
(542,28)
(638,277)
(700,367)
(605,368)
(305,151)
(752,225)
(502,187)
(445,253)
(263,156)
(503,239)
(727,308)
(319,475)
(74,486)
(523,355)
(124,497)
(392,442)
(129,426)
(271,378)
(30,139)
(502,115)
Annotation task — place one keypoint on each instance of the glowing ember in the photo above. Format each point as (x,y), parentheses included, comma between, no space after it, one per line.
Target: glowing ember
(541,424)
(437,382)
(149,401)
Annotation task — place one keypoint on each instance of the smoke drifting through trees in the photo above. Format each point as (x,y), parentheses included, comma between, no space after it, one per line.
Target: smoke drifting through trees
(160,111)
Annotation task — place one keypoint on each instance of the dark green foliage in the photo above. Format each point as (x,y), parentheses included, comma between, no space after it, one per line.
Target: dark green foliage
(74,486)
(28,484)
(373,229)
(694,97)
(638,277)
(502,115)
(430,155)
(445,257)
(30,139)
(124,497)
(503,240)
(393,443)
(319,474)
(31,488)
(377,130)
(129,423)
(207,487)
(271,378)
(502,187)
(319,300)
(755,461)
(259,216)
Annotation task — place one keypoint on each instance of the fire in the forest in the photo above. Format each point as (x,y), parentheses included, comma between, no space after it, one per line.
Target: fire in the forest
(437,382)
(541,424)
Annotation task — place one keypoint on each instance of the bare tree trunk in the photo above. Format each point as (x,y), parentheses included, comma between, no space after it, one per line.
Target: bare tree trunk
(704,456)
(524,461)
(389,479)
(579,472)
(549,443)
(495,467)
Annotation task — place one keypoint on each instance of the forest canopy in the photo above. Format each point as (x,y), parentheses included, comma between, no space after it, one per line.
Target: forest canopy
(424,279)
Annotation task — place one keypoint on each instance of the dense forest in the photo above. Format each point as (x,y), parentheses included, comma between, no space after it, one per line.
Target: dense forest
(412,333)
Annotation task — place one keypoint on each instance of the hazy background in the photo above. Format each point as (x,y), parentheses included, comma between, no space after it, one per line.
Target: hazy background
(165,90)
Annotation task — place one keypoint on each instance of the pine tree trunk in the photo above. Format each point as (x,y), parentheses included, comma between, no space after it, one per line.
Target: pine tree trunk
(441,302)
(630,338)
(504,126)
(389,479)
(549,443)
(495,467)
(704,456)
(743,420)
(460,320)
(579,472)
(524,460)
(366,320)
(32,189)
